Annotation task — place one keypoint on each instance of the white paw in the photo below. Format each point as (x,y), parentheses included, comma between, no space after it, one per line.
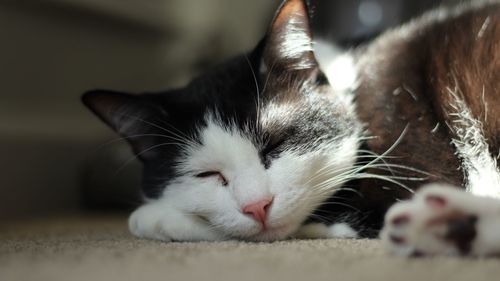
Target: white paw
(160,222)
(144,225)
(321,231)
(443,220)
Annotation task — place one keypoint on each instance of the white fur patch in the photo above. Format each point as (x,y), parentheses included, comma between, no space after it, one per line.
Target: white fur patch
(338,66)
(483,177)
(340,69)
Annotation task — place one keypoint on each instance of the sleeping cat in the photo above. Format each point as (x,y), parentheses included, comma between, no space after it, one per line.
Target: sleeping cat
(271,145)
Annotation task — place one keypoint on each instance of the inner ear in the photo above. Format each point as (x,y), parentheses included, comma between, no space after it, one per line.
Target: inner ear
(136,118)
(289,43)
(126,114)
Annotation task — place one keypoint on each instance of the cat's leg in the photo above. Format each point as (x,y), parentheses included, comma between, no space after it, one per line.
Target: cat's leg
(322,231)
(443,220)
(161,221)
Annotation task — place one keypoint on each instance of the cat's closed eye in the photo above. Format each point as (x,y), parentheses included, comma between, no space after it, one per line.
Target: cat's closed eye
(272,147)
(270,151)
(210,174)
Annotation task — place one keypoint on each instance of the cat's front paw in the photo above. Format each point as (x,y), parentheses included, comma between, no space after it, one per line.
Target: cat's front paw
(143,226)
(158,222)
(443,220)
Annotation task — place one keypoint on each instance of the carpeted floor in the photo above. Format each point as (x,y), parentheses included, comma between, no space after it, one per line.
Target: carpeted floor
(101,249)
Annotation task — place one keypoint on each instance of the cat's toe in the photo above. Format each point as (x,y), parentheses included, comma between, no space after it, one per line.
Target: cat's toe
(396,234)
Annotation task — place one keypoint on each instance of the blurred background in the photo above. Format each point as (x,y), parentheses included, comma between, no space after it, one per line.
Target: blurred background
(55,156)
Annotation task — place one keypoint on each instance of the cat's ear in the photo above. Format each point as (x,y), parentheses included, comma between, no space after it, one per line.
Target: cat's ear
(289,43)
(132,116)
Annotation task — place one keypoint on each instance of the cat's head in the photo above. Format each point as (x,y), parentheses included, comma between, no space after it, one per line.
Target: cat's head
(252,147)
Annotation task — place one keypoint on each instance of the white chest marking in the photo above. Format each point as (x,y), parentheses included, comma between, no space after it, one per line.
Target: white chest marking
(481,170)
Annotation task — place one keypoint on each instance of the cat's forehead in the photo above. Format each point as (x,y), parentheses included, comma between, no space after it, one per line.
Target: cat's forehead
(234,88)
(276,105)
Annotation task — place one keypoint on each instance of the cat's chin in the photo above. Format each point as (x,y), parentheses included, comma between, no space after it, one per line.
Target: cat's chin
(273,234)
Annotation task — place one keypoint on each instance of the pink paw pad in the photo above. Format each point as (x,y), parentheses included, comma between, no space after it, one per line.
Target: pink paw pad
(436,202)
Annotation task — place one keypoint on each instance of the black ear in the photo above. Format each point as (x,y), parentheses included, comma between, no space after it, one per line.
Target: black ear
(137,118)
(289,43)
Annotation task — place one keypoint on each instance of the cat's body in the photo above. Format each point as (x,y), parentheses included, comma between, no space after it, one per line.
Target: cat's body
(264,148)
(415,84)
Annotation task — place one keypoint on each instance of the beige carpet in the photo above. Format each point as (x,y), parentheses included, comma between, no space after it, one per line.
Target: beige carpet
(101,249)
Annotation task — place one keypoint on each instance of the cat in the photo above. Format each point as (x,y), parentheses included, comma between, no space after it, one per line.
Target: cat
(276,144)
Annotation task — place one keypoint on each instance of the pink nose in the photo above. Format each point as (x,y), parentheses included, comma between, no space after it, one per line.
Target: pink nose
(258,210)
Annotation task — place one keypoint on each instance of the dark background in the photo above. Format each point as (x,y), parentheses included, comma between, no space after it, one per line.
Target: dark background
(55,157)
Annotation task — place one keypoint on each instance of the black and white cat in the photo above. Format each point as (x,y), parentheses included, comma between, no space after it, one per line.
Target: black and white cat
(270,145)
